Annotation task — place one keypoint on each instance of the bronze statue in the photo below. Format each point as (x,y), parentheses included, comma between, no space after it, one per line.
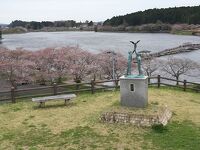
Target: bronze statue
(138,58)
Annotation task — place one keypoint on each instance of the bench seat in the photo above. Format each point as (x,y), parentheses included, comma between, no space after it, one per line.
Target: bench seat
(42,100)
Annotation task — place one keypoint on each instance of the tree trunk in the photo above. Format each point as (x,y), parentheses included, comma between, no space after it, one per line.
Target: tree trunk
(13,84)
(59,79)
(94,77)
(177,78)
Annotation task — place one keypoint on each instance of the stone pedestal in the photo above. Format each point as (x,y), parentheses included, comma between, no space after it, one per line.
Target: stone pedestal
(134,91)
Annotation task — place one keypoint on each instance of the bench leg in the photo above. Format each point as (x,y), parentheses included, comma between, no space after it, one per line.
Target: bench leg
(66,100)
(42,104)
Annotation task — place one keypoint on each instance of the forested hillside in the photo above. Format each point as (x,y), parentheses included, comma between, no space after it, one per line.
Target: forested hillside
(34,25)
(188,15)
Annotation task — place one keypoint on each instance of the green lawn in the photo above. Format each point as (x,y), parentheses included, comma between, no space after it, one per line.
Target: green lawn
(77,126)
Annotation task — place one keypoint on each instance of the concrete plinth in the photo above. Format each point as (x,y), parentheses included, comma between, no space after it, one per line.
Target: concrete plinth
(134,91)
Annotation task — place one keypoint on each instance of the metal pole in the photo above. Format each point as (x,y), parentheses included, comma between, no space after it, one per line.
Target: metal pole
(113,60)
(113,63)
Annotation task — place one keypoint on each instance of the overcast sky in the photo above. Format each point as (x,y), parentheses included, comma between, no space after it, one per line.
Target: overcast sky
(79,10)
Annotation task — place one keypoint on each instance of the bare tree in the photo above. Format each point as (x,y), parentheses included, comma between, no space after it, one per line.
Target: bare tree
(150,65)
(177,67)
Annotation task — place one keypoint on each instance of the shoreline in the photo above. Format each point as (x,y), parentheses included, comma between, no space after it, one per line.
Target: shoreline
(164,32)
(181,32)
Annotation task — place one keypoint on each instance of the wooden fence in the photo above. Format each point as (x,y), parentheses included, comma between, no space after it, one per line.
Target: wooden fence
(93,86)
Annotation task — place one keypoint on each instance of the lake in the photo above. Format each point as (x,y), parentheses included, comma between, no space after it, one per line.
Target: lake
(97,41)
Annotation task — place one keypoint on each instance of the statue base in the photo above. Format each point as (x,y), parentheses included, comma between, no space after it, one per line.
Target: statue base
(134,91)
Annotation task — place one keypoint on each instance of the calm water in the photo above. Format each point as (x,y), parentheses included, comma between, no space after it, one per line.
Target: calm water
(96,42)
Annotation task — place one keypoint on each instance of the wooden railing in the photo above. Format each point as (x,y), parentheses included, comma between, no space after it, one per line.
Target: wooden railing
(185,85)
(93,86)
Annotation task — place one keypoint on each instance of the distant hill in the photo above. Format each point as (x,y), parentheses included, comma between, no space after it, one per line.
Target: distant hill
(3,25)
(35,25)
(188,15)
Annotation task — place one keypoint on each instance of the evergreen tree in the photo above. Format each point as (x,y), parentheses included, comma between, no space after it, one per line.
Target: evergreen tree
(189,15)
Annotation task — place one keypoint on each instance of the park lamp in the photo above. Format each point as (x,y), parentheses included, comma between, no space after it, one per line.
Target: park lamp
(113,62)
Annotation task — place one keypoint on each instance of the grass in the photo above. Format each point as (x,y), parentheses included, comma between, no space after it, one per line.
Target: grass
(177,135)
(76,126)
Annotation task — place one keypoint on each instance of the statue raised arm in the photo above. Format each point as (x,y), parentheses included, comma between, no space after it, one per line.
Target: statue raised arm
(138,58)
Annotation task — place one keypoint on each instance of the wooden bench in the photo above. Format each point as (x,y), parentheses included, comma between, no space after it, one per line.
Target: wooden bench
(42,100)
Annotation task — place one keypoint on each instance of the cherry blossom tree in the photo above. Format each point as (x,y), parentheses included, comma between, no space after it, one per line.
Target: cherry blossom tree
(81,63)
(61,63)
(106,64)
(15,66)
(43,64)
(51,64)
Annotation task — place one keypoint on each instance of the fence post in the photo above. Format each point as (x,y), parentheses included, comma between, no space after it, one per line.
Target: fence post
(77,86)
(149,80)
(55,88)
(116,83)
(92,86)
(184,85)
(13,95)
(158,81)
